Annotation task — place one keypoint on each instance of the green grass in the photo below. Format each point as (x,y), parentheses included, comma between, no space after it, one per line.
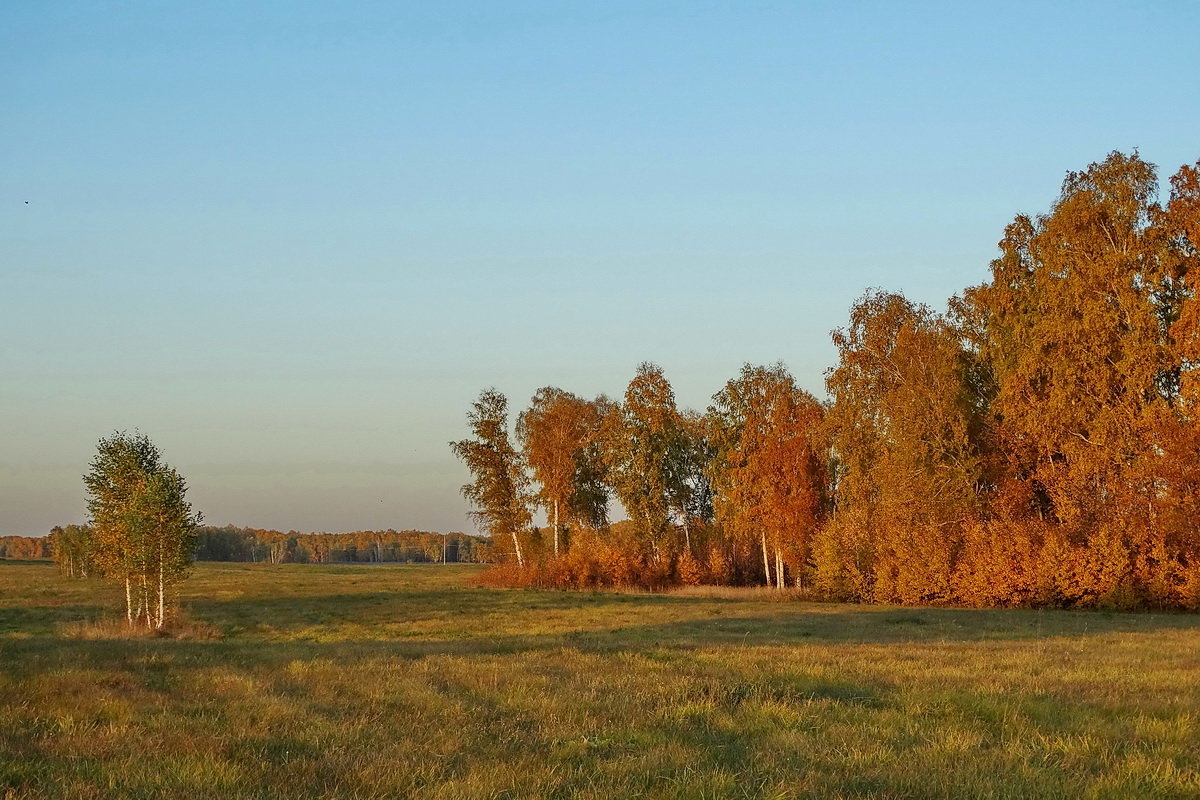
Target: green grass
(404,681)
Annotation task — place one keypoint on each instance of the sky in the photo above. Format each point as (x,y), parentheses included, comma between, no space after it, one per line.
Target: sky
(292,241)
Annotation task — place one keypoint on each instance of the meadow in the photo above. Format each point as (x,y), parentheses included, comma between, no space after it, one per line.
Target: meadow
(411,682)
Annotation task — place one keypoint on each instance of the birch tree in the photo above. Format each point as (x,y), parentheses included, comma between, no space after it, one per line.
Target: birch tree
(903,432)
(556,433)
(690,488)
(769,467)
(641,443)
(71,547)
(1075,336)
(500,489)
(143,528)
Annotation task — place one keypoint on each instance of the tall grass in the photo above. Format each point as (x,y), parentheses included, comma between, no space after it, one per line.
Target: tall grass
(373,682)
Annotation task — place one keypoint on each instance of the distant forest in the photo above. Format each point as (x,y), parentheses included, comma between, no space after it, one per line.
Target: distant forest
(1036,443)
(22,547)
(418,547)
(231,543)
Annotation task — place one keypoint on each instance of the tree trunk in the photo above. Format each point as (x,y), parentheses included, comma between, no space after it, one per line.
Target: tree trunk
(766,559)
(162,603)
(555,528)
(687,536)
(128,603)
(517,547)
(778,568)
(144,602)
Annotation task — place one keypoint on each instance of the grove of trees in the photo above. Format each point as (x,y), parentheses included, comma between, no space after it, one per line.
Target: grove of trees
(71,548)
(140,532)
(1036,443)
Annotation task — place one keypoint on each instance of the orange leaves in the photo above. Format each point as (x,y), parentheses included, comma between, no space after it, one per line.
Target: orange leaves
(1038,445)
(557,433)
(902,430)
(1088,329)
(769,469)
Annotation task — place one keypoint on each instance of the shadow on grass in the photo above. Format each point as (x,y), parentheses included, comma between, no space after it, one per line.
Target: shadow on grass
(807,624)
(288,613)
(711,621)
(43,620)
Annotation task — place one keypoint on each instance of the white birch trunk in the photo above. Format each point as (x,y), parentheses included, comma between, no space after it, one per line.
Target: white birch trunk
(162,603)
(556,528)
(778,568)
(144,603)
(766,559)
(517,547)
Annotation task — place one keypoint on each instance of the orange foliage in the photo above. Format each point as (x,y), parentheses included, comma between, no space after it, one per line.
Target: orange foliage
(1037,445)
(769,469)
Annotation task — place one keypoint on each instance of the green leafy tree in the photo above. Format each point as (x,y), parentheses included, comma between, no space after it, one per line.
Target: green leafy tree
(71,548)
(690,488)
(143,528)
(643,442)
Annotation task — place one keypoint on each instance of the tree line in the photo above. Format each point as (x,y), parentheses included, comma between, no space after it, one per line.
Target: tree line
(231,543)
(1035,443)
(70,547)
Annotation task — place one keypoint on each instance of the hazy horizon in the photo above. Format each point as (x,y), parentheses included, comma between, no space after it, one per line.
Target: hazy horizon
(292,242)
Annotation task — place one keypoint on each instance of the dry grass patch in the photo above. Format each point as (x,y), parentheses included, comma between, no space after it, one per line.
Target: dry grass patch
(758,593)
(181,627)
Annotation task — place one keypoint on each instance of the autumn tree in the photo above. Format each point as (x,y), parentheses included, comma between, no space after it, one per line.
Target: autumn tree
(558,435)
(500,489)
(142,524)
(1179,228)
(25,547)
(1037,444)
(1172,573)
(591,495)
(169,534)
(769,466)
(1075,321)
(902,430)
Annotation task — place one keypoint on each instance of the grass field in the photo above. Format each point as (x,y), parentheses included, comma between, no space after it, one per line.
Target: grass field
(381,681)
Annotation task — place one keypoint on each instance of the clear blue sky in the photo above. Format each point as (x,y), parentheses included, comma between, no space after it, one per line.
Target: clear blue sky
(292,241)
